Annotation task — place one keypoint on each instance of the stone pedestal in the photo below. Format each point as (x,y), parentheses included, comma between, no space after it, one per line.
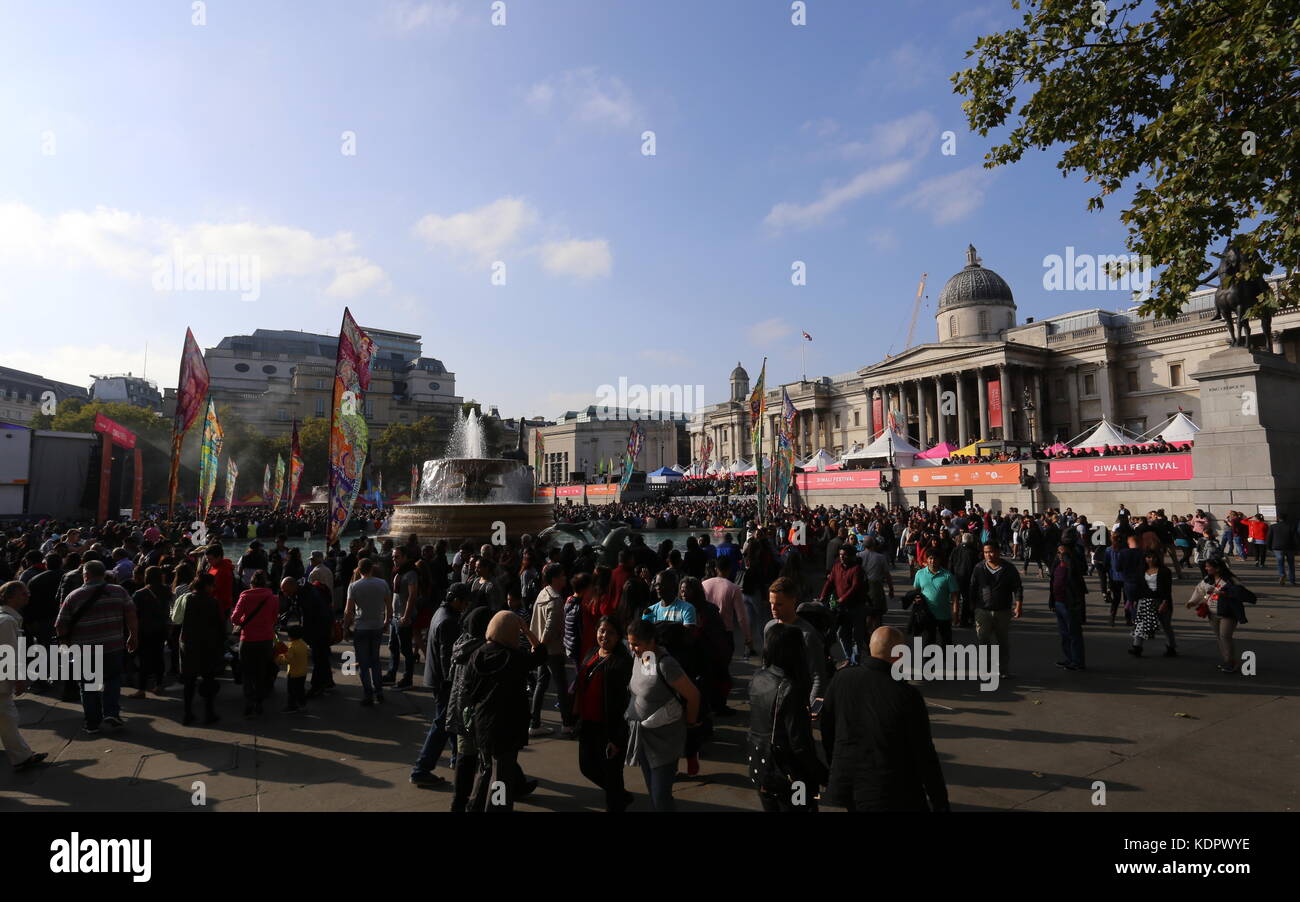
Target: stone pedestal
(1247,454)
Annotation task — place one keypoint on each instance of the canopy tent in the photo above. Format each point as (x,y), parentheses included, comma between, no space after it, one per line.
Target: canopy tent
(663,475)
(821,461)
(1106,433)
(1179,428)
(889,445)
(680,471)
(969,451)
(751,469)
(938,452)
(740,465)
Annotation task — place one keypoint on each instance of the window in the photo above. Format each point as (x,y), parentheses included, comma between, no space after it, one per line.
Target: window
(269,370)
(370,409)
(434,386)
(837,421)
(856,418)
(1060,390)
(952,326)
(320,407)
(1176,373)
(320,384)
(1089,385)
(983,321)
(282,414)
(241,367)
(1133,383)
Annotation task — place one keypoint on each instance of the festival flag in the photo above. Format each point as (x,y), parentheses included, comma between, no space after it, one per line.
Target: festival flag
(295,466)
(629,457)
(757,416)
(277,487)
(191,390)
(415,483)
(232,473)
(786,445)
(349,436)
(379,490)
(266,483)
(539,457)
(209,458)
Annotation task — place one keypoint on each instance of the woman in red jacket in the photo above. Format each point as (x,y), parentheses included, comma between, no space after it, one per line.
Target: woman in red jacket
(255,614)
(1257,528)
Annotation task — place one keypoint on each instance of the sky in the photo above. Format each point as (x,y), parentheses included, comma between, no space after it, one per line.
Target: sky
(404,158)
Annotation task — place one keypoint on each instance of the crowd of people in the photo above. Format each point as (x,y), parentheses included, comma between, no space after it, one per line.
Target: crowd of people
(1058,452)
(636,650)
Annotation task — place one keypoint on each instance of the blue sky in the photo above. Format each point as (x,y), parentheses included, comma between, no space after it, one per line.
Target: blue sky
(128,134)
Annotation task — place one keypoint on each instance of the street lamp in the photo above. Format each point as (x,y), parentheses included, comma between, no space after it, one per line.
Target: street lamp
(1029,413)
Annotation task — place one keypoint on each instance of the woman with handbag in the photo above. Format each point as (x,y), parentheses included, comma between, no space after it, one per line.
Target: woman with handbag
(656,720)
(783,761)
(1218,598)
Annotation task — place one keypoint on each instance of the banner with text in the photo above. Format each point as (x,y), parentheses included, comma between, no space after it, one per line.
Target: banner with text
(839,479)
(1142,468)
(966,474)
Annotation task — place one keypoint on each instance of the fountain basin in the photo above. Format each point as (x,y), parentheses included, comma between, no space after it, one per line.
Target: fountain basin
(466,497)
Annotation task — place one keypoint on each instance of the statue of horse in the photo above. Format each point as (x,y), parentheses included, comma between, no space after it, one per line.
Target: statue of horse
(1234,297)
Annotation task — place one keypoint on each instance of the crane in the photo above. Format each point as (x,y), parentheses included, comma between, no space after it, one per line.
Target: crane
(916,308)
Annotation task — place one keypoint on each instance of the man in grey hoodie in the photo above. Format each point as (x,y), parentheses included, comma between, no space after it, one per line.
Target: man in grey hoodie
(548,625)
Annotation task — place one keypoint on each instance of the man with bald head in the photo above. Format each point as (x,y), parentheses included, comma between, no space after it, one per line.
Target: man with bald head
(876,733)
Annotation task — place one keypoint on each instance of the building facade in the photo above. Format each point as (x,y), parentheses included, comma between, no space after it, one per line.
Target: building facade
(579,440)
(989,377)
(134,390)
(23,395)
(271,377)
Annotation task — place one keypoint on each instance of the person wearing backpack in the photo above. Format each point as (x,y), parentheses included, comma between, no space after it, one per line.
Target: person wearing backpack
(782,751)
(657,723)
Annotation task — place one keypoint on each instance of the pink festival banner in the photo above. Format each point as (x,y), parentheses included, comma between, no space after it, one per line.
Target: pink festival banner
(1141,468)
(842,479)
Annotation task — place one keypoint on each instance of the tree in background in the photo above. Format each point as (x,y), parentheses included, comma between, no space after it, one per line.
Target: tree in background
(402,444)
(1192,105)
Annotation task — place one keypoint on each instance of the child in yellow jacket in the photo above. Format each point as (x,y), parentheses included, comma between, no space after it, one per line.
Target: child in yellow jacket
(296,656)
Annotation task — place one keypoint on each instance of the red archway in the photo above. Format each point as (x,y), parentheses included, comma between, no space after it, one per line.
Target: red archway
(115,433)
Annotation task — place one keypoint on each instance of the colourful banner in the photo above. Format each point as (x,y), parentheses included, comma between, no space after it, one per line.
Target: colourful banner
(277,487)
(785,447)
(349,435)
(962,474)
(602,490)
(266,483)
(539,457)
(635,439)
(995,403)
(232,473)
(191,390)
(877,417)
(295,465)
(415,482)
(1139,468)
(209,459)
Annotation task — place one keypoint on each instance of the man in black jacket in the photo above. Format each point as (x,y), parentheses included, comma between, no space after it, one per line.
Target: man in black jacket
(876,734)
(443,633)
(998,597)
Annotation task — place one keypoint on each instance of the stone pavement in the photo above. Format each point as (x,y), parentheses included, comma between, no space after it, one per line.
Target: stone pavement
(1161,733)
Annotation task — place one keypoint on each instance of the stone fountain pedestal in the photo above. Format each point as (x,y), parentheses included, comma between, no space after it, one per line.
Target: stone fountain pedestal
(472,499)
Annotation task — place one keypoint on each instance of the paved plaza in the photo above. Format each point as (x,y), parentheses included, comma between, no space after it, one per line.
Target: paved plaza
(1161,733)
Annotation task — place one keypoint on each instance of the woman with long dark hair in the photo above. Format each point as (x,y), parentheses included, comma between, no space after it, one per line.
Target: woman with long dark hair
(1067,593)
(600,698)
(781,748)
(1154,607)
(657,720)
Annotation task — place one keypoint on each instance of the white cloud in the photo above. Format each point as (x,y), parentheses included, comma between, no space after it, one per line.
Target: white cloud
(769,331)
(75,364)
(126,245)
(949,198)
(407,16)
(908,136)
(487,234)
(821,127)
(581,259)
(663,357)
(884,240)
(584,95)
(484,234)
(802,216)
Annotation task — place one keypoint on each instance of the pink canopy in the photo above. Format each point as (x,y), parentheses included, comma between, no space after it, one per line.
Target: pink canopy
(938,452)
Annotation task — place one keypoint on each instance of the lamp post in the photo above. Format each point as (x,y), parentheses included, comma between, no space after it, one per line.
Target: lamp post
(1029,413)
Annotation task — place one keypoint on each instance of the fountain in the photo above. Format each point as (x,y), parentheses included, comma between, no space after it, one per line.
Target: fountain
(463,495)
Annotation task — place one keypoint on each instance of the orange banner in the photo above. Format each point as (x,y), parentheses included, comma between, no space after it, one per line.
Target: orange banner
(602,490)
(963,474)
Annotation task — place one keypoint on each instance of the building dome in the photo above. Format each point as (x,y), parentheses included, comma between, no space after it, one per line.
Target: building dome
(739,383)
(975,285)
(739,374)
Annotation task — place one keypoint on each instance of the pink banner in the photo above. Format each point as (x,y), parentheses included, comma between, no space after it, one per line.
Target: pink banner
(1141,468)
(844,479)
(568,491)
(117,433)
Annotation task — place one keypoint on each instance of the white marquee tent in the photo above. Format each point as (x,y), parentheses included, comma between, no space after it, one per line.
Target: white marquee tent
(1180,428)
(1106,433)
(889,446)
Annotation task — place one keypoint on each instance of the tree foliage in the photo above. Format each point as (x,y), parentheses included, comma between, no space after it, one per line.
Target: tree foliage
(1190,105)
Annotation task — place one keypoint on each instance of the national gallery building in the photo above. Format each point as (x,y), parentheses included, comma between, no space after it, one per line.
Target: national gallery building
(990,377)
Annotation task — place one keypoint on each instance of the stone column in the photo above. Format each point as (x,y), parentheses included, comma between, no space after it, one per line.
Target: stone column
(941,421)
(921,434)
(983,389)
(962,433)
(871,415)
(1040,400)
(1106,391)
(1072,395)
(903,408)
(1004,376)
